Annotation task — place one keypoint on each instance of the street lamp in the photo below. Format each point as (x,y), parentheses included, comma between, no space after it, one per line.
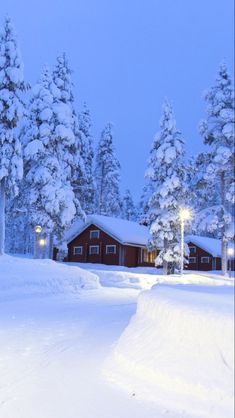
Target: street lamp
(230,253)
(185,215)
(37,230)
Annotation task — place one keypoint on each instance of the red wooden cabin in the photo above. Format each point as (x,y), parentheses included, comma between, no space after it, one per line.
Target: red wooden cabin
(106,240)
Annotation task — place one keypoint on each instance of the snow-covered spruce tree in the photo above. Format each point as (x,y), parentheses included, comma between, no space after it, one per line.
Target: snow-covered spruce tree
(68,134)
(17,224)
(198,196)
(166,171)
(143,209)
(129,211)
(11,111)
(218,132)
(87,153)
(49,195)
(107,175)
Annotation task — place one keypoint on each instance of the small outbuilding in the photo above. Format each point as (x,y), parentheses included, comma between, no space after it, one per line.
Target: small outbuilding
(205,253)
(107,240)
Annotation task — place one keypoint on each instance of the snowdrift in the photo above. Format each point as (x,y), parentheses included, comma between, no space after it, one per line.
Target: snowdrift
(178,350)
(21,277)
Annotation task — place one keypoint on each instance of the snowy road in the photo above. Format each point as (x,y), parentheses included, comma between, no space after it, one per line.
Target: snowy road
(51,356)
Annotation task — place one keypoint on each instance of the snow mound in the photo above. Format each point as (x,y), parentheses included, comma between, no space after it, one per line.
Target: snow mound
(21,277)
(178,350)
(125,280)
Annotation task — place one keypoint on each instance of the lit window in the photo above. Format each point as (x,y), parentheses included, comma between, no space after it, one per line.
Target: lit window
(192,250)
(94,249)
(205,260)
(110,249)
(192,260)
(148,256)
(77,250)
(95,234)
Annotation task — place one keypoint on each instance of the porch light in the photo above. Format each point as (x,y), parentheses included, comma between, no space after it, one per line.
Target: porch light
(42,242)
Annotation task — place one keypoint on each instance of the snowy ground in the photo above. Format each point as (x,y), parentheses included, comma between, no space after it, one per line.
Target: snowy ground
(56,336)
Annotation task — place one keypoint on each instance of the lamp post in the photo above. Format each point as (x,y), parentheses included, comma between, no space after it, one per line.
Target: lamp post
(230,253)
(37,230)
(185,214)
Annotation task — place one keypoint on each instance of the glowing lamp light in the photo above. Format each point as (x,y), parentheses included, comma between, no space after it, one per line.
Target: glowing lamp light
(185,214)
(230,251)
(42,242)
(38,229)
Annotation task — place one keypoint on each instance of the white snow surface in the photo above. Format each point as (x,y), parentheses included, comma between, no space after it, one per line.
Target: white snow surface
(178,350)
(58,327)
(21,277)
(145,277)
(127,232)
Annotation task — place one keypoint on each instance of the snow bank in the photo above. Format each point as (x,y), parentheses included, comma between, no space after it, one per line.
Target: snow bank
(125,280)
(20,277)
(145,277)
(178,350)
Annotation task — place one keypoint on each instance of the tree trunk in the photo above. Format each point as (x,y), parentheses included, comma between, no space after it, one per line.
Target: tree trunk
(224,243)
(224,248)
(51,239)
(2,216)
(165,263)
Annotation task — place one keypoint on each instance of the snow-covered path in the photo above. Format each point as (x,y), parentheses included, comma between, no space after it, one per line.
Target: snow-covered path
(51,354)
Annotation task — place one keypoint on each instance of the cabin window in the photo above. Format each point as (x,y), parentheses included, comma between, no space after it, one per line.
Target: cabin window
(78,250)
(205,260)
(94,249)
(148,256)
(192,250)
(95,234)
(192,260)
(110,249)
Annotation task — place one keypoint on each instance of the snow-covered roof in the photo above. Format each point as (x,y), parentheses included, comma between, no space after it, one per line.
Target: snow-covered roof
(210,245)
(126,232)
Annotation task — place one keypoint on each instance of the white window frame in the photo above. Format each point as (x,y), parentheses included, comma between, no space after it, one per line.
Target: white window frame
(94,246)
(192,249)
(111,246)
(95,230)
(78,246)
(194,260)
(205,262)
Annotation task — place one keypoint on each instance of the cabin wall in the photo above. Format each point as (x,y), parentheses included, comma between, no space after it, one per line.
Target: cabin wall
(214,262)
(85,242)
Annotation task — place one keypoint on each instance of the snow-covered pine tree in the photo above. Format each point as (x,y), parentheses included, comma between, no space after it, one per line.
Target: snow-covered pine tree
(107,175)
(87,153)
(143,209)
(11,111)
(129,211)
(68,130)
(218,132)
(166,172)
(50,199)
(197,185)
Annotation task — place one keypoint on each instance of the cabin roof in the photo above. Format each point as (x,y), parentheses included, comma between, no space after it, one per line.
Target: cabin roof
(124,231)
(210,245)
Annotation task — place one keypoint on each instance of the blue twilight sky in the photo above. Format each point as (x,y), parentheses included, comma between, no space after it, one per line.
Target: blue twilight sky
(127,56)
